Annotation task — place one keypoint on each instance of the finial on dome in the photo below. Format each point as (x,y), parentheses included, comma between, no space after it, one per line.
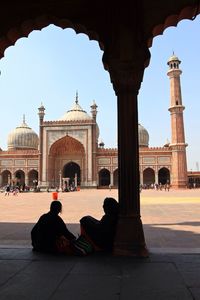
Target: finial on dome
(76,101)
(24,120)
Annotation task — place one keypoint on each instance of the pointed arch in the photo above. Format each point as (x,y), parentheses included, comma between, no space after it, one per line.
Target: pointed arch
(19,178)
(6,177)
(66,144)
(32,178)
(164,175)
(29,24)
(70,171)
(148,176)
(104,177)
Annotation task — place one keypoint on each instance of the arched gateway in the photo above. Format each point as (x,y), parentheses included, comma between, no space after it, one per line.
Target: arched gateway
(72,171)
(66,160)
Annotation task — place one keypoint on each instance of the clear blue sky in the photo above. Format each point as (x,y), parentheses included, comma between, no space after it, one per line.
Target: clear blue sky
(50,65)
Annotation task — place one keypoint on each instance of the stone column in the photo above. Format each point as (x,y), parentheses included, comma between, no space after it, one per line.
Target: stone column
(60,181)
(156,177)
(141,176)
(125,57)
(129,237)
(111,179)
(26,179)
(0,180)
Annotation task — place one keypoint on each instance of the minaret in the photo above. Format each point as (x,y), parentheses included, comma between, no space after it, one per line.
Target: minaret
(178,146)
(94,110)
(41,114)
(94,142)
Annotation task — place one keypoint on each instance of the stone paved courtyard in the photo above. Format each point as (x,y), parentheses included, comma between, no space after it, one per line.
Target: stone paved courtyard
(171,225)
(171,219)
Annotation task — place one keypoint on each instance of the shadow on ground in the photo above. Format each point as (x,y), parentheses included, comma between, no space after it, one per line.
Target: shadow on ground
(156,235)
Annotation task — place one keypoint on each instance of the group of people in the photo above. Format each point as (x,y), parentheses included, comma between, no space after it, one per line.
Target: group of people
(13,190)
(50,233)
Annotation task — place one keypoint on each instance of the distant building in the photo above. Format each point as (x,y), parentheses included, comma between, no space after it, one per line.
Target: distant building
(67,152)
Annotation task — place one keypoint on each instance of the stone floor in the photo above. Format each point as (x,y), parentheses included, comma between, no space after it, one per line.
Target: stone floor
(28,275)
(172,232)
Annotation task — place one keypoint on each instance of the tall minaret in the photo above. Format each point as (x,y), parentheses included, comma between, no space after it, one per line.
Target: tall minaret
(178,146)
(41,113)
(94,142)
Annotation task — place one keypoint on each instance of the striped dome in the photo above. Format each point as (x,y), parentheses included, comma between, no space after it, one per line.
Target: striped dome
(143,136)
(23,137)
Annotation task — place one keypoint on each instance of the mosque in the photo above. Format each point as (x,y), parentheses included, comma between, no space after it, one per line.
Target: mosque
(67,150)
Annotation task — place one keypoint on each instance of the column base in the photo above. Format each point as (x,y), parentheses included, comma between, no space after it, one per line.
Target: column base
(129,240)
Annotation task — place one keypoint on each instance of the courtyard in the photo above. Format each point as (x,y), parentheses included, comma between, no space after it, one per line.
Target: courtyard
(171,219)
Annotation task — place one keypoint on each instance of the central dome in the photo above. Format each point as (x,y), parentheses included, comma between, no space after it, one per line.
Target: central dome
(76,113)
(23,137)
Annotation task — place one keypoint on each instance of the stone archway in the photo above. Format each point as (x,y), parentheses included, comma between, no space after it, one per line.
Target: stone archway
(104,177)
(164,176)
(19,178)
(33,178)
(148,176)
(70,170)
(62,153)
(5,177)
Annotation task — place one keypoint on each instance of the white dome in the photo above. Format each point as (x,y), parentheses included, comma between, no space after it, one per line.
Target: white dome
(23,137)
(143,136)
(76,113)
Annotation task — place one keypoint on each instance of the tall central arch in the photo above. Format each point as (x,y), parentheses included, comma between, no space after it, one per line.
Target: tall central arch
(66,158)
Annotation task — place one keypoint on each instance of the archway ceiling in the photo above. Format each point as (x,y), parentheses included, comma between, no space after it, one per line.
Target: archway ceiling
(66,145)
(97,19)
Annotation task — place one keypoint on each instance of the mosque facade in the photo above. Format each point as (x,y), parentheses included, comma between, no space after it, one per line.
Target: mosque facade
(67,151)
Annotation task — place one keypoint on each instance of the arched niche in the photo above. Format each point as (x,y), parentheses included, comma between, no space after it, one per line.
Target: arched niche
(164,176)
(104,177)
(148,176)
(5,177)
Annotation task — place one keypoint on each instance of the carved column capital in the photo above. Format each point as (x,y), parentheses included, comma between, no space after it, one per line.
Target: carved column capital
(126,74)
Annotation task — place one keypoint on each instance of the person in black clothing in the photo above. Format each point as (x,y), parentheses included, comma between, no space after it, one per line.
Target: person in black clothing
(50,233)
(101,233)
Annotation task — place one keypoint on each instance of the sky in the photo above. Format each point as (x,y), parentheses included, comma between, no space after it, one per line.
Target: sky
(52,64)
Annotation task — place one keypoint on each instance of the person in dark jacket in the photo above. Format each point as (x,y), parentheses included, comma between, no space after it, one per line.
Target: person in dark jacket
(101,233)
(50,233)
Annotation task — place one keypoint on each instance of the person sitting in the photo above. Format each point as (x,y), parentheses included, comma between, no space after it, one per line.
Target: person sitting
(50,233)
(101,233)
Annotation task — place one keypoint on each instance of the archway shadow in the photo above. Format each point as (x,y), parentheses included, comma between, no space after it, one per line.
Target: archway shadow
(156,236)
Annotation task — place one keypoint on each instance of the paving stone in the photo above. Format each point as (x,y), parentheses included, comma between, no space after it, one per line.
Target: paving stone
(196,293)
(191,273)
(37,281)
(153,281)
(89,287)
(9,268)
